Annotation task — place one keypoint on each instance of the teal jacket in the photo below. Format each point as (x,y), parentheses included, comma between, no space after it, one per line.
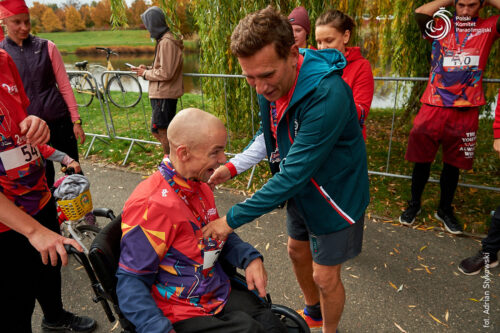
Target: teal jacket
(322,156)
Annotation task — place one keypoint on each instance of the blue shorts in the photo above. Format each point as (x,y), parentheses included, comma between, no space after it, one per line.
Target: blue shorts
(329,249)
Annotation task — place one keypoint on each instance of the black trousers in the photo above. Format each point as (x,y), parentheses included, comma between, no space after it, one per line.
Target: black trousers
(25,278)
(491,243)
(243,313)
(62,138)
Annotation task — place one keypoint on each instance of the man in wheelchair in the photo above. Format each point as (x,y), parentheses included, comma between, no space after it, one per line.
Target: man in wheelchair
(169,277)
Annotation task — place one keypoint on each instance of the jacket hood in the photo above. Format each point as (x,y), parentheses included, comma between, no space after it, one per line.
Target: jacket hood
(173,39)
(154,21)
(317,65)
(353,54)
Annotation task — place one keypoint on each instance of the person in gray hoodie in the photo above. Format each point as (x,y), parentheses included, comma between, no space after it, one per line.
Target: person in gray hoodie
(164,76)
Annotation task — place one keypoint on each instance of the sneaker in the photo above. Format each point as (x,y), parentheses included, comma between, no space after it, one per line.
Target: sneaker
(408,216)
(71,323)
(474,264)
(449,220)
(312,323)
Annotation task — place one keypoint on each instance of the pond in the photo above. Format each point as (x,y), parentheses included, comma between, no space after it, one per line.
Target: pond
(191,65)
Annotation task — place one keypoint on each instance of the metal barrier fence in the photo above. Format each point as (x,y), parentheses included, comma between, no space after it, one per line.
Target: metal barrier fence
(135,118)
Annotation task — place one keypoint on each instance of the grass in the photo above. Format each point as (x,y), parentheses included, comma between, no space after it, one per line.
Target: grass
(68,42)
(388,195)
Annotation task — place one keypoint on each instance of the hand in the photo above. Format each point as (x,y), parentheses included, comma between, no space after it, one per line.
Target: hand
(75,165)
(49,244)
(79,133)
(36,130)
(142,66)
(221,175)
(217,229)
(139,70)
(256,277)
(496,146)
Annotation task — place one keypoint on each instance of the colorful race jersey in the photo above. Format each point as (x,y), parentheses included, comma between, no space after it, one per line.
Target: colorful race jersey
(458,61)
(161,225)
(22,171)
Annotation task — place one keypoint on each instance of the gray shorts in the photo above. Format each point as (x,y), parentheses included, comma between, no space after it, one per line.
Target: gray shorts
(330,249)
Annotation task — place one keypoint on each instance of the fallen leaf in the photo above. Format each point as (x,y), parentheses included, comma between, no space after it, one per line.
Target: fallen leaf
(354,276)
(473,299)
(447,315)
(400,288)
(348,268)
(395,250)
(267,246)
(420,258)
(400,328)
(393,285)
(115,326)
(423,248)
(437,320)
(412,306)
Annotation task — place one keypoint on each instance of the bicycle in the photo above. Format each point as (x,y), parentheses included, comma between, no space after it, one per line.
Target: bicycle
(123,90)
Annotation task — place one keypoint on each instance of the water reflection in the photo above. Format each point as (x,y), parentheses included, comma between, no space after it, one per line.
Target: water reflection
(97,65)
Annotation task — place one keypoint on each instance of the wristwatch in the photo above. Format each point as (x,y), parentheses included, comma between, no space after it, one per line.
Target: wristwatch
(78,121)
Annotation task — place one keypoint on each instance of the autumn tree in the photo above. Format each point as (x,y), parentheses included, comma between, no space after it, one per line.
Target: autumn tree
(134,13)
(73,20)
(50,21)
(101,14)
(86,16)
(36,13)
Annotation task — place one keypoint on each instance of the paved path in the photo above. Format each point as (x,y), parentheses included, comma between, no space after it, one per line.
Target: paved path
(421,264)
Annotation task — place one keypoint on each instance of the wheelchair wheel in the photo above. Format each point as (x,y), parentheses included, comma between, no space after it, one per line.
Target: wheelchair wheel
(87,234)
(291,319)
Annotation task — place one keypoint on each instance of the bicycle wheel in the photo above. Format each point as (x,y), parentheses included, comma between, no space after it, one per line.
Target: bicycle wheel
(87,234)
(123,90)
(83,89)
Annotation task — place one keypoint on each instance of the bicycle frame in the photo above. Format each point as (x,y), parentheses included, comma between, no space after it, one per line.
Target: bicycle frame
(69,226)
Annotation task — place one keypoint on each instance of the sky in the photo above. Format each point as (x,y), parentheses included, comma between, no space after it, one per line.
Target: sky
(29,3)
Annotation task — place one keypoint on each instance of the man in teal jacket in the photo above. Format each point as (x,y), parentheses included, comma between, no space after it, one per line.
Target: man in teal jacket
(310,134)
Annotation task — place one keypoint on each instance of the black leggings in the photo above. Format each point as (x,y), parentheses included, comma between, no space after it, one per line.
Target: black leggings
(24,277)
(448,183)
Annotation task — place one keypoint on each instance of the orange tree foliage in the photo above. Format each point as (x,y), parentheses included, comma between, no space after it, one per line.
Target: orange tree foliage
(73,20)
(134,13)
(86,16)
(101,14)
(36,13)
(50,22)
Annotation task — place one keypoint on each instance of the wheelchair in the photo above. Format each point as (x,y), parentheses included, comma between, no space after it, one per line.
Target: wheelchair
(102,263)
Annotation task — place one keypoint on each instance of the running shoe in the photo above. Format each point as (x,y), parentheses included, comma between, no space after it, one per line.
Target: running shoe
(474,264)
(312,323)
(408,216)
(449,220)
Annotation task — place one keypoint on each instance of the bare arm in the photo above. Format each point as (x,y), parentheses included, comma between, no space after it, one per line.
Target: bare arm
(431,7)
(45,241)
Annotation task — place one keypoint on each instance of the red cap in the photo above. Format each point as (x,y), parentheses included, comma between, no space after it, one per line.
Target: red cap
(10,8)
(300,17)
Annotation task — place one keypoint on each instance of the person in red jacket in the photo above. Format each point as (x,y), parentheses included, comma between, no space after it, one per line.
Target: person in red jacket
(333,31)
(496,127)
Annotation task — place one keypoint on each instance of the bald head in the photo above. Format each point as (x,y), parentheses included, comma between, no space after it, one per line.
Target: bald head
(197,140)
(191,127)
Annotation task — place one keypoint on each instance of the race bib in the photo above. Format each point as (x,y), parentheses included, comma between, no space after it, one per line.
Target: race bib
(209,258)
(454,61)
(18,159)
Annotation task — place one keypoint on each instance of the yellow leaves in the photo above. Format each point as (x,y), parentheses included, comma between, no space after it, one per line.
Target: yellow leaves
(426,268)
(393,285)
(354,276)
(423,248)
(437,320)
(474,300)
